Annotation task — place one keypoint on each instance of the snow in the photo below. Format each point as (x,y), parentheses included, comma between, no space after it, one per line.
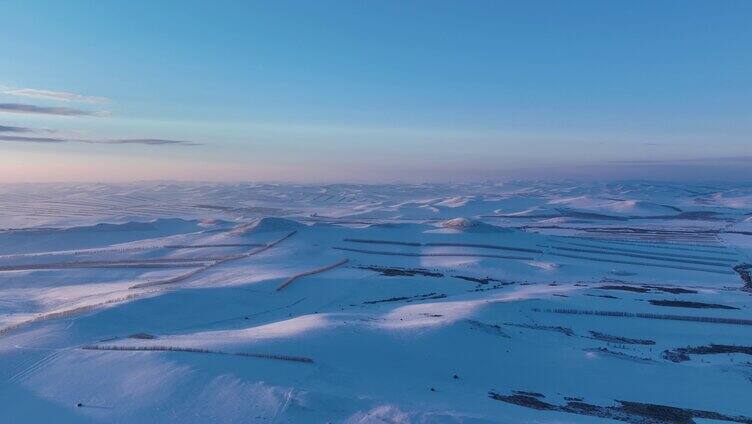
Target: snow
(160,302)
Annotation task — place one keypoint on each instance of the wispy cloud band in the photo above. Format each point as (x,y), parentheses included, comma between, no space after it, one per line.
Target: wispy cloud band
(63,96)
(24,139)
(7,129)
(141,141)
(149,142)
(46,110)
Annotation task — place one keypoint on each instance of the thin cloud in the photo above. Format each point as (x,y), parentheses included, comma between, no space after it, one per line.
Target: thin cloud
(7,129)
(44,110)
(22,139)
(63,96)
(134,141)
(723,159)
(151,142)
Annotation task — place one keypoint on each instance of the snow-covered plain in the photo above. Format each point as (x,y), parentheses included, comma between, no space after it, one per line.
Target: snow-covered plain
(435,303)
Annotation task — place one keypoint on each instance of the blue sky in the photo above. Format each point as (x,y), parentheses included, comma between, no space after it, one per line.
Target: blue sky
(374,91)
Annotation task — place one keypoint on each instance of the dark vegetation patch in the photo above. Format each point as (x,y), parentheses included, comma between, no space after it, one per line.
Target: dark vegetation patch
(652,233)
(407,299)
(401,272)
(534,394)
(672,290)
(605,296)
(369,241)
(681,354)
(620,340)
(483,280)
(625,288)
(625,411)
(489,328)
(558,329)
(655,265)
(524,400)
(711,320)
(745,272)
(618,355)
(142,336)
(485,246)
(656,255)
(640,256)
(197,350)
(686,304)
(493,287)
(441,255)
(645,288)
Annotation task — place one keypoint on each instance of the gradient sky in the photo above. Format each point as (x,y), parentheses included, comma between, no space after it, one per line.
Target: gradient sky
(374,90)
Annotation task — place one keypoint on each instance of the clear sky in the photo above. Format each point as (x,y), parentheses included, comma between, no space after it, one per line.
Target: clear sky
(374,90)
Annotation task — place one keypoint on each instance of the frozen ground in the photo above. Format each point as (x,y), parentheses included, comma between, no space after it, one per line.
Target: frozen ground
(484,303)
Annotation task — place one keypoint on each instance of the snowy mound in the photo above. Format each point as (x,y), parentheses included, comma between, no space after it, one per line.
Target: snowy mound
(82,237)
(405,226)
(454,202)
(162,224)
(728,200)
(265,225)
(639,207)
(628,207)
(459,223)
(470,226)
(211,222)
